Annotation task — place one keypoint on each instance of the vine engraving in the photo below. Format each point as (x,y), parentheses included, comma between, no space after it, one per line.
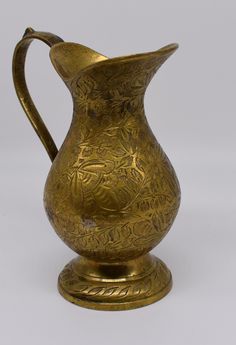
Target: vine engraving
(112,193)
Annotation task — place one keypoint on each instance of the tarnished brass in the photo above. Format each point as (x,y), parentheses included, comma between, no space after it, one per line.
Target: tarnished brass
(111,193)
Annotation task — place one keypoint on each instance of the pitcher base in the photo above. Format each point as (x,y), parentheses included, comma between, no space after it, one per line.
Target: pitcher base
(115,286)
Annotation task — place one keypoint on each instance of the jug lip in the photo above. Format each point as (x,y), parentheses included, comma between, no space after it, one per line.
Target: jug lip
(164,51)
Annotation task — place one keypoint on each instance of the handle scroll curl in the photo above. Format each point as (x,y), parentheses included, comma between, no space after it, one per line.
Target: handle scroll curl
(18,69)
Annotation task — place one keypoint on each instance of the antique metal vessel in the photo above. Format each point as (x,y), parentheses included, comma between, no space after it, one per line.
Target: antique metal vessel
(111,193)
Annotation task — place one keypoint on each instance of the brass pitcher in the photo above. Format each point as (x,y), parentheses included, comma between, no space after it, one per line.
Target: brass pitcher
(111,193)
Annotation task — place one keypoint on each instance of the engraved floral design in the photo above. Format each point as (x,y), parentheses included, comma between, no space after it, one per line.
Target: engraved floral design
(115,193)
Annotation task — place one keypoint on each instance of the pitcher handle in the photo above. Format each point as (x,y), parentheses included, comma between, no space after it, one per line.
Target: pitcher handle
(18,70)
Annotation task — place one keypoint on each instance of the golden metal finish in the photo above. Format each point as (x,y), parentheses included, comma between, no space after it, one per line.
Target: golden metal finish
(18,70)
(111,193)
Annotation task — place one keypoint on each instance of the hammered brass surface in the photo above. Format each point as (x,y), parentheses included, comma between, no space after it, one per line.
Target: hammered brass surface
(111,193)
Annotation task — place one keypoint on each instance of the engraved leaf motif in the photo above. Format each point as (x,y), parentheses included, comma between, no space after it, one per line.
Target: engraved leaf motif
(136,174)
(110,291)
(123,292)
(96,290)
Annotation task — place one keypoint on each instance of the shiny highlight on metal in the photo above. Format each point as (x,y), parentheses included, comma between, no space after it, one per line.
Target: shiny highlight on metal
(111,193)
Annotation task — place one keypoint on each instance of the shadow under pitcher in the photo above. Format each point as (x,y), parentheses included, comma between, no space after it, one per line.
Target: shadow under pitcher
(111,193)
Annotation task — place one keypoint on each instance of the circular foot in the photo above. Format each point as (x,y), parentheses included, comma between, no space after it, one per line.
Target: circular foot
(115,286)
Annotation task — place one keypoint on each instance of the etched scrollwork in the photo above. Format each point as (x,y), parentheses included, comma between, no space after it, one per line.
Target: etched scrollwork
(115,193)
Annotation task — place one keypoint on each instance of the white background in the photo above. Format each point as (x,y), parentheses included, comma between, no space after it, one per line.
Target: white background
(190,106)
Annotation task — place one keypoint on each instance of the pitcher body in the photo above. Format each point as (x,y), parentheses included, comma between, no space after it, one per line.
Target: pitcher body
(111,193)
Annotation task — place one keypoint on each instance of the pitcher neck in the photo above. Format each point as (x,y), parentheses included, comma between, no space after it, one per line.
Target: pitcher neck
(101,85)
(114,86)
(96,94)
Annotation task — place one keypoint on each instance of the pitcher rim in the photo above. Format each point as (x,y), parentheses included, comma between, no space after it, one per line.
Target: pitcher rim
(166,50)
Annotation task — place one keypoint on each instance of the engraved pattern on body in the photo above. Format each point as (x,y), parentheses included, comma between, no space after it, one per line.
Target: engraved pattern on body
(118,193)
